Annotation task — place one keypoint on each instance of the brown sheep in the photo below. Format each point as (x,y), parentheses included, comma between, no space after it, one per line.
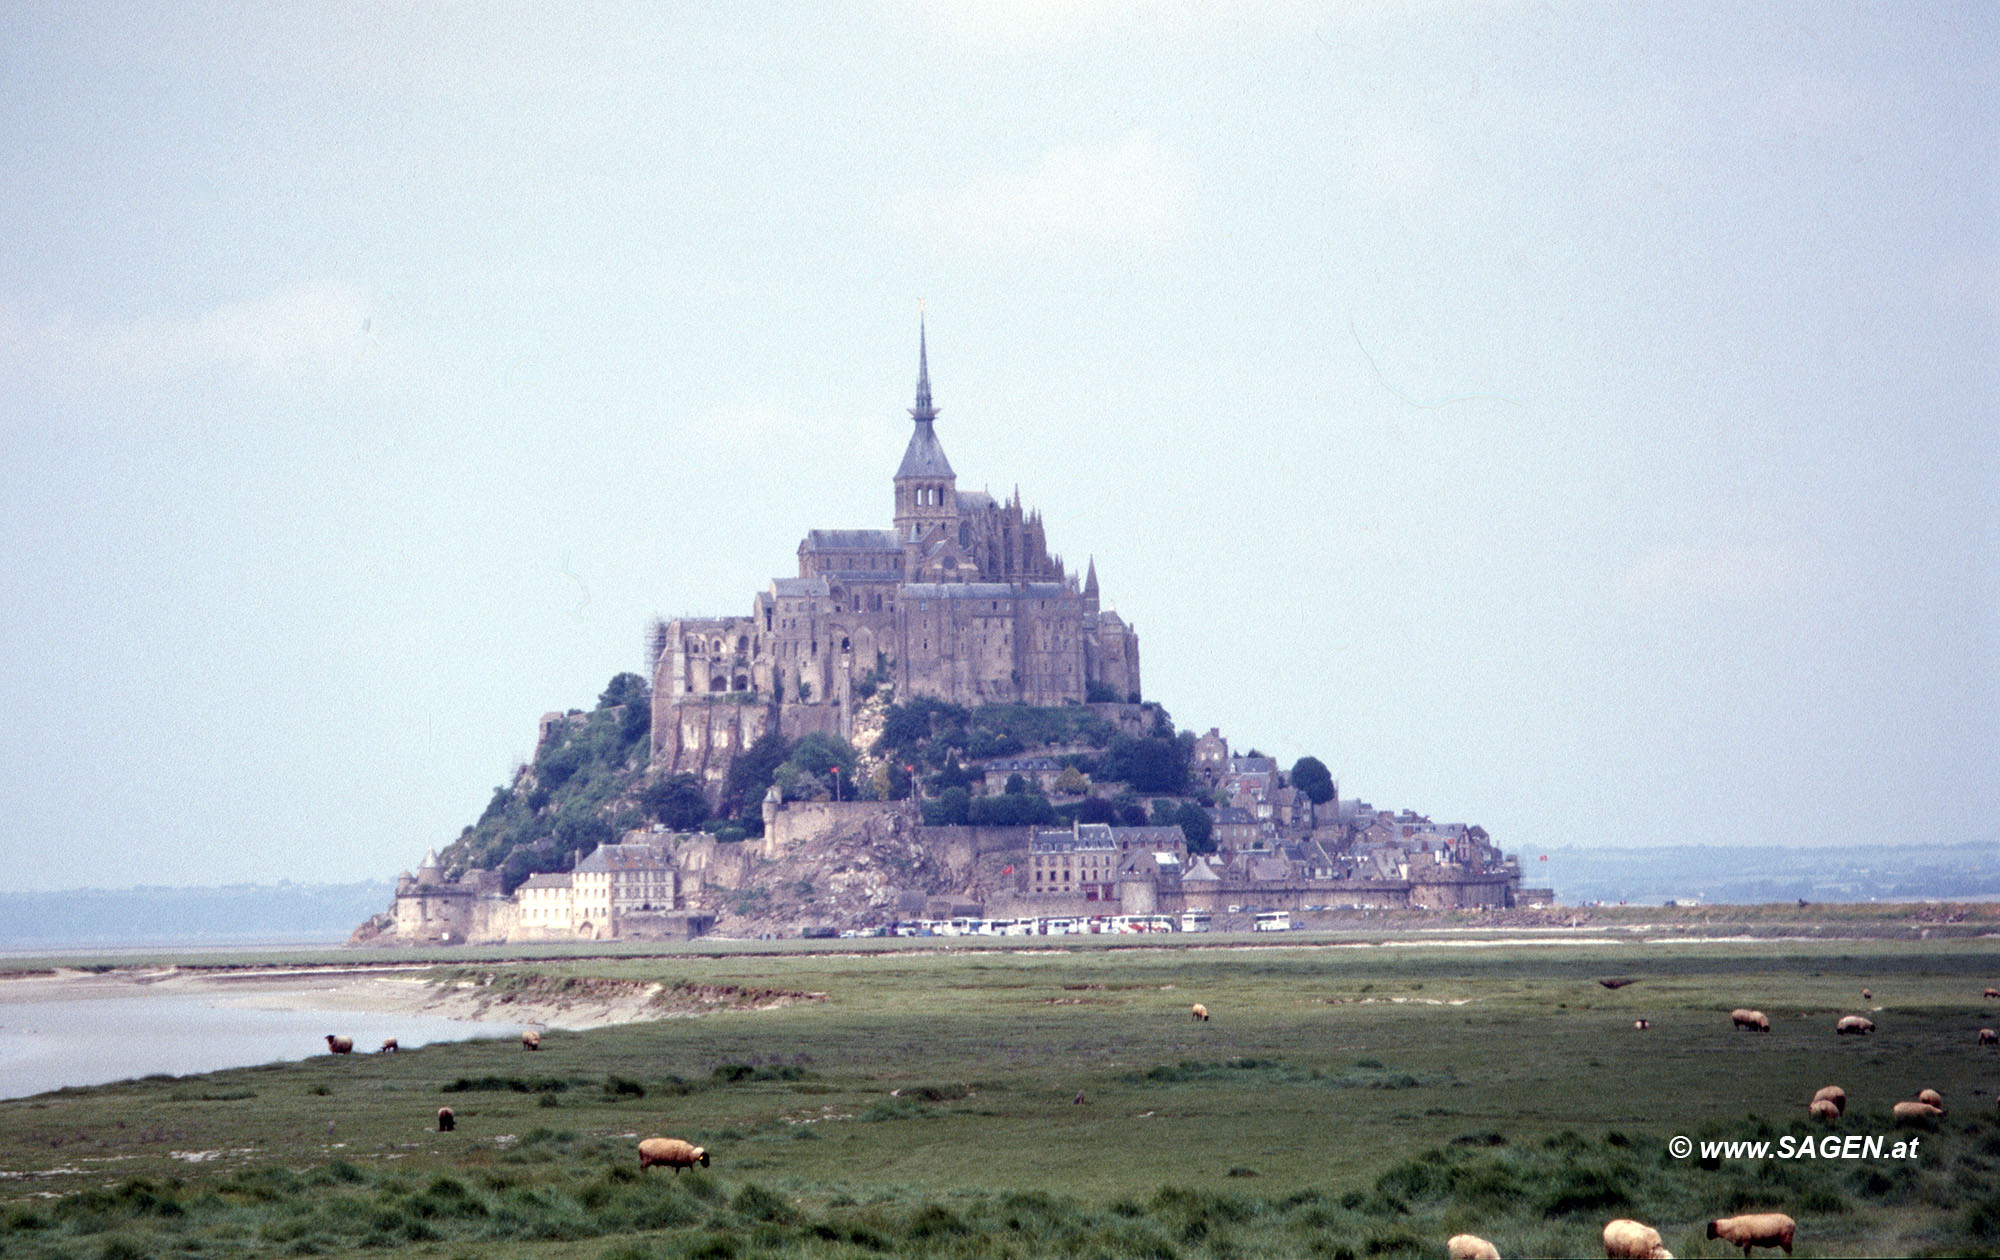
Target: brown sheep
(1629,1240)
(671,1153)
(388,1047)
(531,1040)
(1823,1109)
(1755,1021)
(1471,1247)
(1200,1013)
(1987,1037)
(340,1045)
(1915,1112)
(447,1120)
(1932,1097)
(1833,1094)
(1858,1025)
(1760,1229)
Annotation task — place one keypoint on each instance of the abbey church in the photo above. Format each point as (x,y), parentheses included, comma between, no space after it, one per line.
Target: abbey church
(960,600)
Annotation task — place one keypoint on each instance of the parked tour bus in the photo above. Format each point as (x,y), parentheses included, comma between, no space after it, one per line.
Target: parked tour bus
(1273,921)
(1196,921)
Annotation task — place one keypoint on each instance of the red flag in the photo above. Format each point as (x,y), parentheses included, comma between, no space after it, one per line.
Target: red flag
(1008,869)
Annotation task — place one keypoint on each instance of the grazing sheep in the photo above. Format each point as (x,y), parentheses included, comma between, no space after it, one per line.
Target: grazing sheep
(1859,1025)
(1760,1229)
(1642,1024)
(1833,1094)
(1866,996)
(340,1045)
(1993,993)
(531,1040)
(1913,1112)
(1932,1097)
(1200,1013)
(671,1153)
(447,1120)
(1987,1037)
(1823,1109)
(1471,1247)
(388,1047)
(1755,1021)
(1629,1240)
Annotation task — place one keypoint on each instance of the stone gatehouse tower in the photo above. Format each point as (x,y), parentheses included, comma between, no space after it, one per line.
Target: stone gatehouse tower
(959,599)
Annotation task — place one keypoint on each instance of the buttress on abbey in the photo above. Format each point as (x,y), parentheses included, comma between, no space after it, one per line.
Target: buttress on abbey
(960,600)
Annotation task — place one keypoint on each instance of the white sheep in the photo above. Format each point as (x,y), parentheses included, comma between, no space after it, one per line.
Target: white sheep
(1756,1021)
(1915,1112)
(1932,1097)
(1823,1109)
(671,1153)
(1760,1229)
(389,1047)
(340,1045)
(531,1040)
(1859,1025)
(1987,1037)
(1471,1247)
(1629,1240)
(1200,1013)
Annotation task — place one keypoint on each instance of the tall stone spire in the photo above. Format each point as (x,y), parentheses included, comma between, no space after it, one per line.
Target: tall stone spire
(923,412)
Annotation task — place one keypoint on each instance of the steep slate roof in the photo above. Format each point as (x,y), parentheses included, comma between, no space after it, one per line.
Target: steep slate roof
(622,857)
(546,881)
(852,540)
(924,457)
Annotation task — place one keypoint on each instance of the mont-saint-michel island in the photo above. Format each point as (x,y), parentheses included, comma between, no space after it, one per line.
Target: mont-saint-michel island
(937,727)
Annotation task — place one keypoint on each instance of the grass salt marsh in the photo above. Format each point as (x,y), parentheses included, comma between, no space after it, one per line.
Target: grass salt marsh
(1358,1101)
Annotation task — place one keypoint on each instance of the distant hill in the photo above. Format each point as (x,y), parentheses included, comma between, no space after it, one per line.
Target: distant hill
(1741,875)
(283,913)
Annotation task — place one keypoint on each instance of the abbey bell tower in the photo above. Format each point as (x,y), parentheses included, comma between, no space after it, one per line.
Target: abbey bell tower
(926,488)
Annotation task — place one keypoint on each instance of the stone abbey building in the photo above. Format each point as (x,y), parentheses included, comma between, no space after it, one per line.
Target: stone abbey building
(960,599)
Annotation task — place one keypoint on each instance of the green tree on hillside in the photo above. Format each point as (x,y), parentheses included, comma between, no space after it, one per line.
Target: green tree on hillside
(1310,775)
(1197,826)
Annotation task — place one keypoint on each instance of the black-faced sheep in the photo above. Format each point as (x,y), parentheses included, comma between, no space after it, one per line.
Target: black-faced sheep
(1200,1013)
(1932,1097)
(1755,1021)
(1856,1025)
(388,1047)
(1759,1229)
(1833,1094)
(1471,1247)
(531,1040)
(1915,1112)
(447,1120)
(671,1153)
(1987,1037)
(1629,1240)
(339,1045)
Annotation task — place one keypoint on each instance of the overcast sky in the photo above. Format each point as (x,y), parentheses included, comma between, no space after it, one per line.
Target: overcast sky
(1574,419)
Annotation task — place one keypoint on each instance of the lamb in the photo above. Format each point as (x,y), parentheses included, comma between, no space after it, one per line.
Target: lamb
(1833,1094)
(1760,1229)
(1932,1097)
(1471,1247)
(1823,1109)
(1200,1013)
(1912,1112)
(1756,1021)
(530,1039)
(447,1120)
(340,1045)
(1859,1025)
(671,1153)
(388,1047)
(1629,1240)
(1987,1037)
